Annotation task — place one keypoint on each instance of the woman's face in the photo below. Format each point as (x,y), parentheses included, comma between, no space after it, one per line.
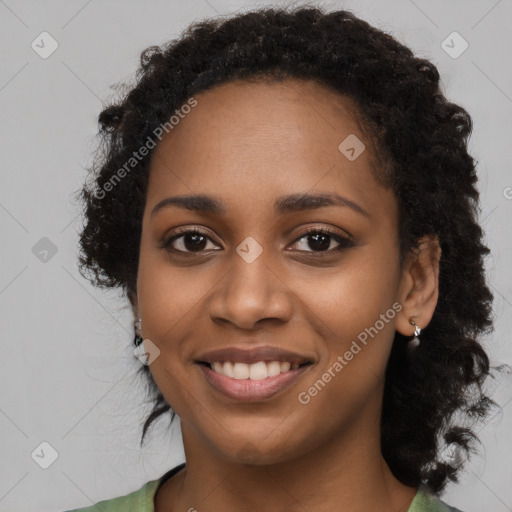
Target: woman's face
(254,277)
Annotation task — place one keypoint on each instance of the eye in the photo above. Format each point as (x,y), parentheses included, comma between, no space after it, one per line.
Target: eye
(190,240)
(320,241)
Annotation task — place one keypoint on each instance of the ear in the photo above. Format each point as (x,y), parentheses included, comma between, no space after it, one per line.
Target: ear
(419,285)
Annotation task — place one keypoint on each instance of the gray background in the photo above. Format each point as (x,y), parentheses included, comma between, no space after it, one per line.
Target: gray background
(68,373)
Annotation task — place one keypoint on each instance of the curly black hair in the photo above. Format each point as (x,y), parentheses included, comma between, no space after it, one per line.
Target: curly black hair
(422,146)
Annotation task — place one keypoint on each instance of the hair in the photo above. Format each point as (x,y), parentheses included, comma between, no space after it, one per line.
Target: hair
(421,139)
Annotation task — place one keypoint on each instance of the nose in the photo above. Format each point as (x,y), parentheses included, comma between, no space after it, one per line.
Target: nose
(250,293)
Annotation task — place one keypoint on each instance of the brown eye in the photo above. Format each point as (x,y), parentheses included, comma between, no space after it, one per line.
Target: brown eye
(321,241)
(189,241)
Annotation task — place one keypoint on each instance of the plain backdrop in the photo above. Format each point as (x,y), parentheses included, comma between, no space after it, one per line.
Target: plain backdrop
(68,376)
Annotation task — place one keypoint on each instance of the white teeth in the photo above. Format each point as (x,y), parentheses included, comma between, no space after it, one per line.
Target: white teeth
(256,371)
(273,368)
(227,369)
(240,371)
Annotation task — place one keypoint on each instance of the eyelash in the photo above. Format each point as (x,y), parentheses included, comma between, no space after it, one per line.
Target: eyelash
(344,242)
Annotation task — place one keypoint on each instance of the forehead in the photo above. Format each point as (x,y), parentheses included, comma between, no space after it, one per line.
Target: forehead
(279,115)
(267,139)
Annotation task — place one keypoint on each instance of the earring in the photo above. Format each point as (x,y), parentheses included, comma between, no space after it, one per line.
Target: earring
(139,352)
(137,327)
(416,340)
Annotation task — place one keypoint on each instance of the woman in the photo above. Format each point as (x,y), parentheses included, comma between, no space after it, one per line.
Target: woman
(287,200)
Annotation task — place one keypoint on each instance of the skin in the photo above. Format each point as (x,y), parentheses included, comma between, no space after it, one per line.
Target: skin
(248,144)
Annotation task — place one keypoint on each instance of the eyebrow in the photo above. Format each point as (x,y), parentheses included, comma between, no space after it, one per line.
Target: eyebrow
(285,204)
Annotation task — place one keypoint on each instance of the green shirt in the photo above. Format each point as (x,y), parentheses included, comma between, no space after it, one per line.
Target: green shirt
(142,500)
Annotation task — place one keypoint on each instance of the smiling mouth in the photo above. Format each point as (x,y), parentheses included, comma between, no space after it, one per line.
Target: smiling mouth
(254,382)
(260,370)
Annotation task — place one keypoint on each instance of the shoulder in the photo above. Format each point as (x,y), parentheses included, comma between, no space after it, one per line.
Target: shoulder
(137,501)
(425,501)
(141,500)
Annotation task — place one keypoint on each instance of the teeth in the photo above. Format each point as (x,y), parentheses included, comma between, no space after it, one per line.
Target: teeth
(273,368)
(228,369)
(240,371)
(256,371)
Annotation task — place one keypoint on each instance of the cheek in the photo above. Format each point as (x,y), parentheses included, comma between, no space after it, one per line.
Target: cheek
(167,294)
(354,295)
(167,305)
(170,300)
(354,309)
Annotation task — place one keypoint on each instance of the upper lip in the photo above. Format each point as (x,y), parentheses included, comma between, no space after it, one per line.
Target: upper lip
(253,355)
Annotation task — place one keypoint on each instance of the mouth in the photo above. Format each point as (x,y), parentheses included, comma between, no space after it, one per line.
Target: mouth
(252,390)
(260,370)
(252,374)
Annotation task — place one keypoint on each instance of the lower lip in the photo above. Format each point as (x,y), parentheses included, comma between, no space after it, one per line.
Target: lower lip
(252,390)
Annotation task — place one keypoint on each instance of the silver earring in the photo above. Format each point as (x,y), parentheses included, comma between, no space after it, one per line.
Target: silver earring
(139,351)
(416,340)
(137,327)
